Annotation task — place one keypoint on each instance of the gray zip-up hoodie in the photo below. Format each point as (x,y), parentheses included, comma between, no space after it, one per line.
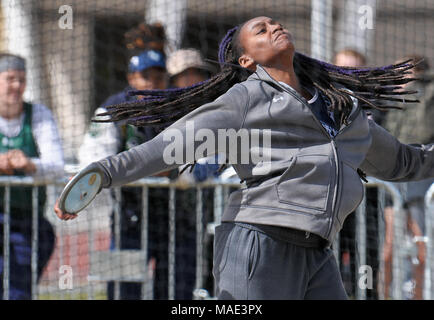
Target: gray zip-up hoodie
(310,181)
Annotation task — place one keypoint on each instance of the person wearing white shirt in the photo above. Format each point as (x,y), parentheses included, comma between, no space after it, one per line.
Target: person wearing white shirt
(30,145)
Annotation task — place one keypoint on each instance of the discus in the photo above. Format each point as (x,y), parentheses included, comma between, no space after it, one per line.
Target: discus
(80,191)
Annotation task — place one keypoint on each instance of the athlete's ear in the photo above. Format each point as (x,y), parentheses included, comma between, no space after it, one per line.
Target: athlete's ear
(247,62)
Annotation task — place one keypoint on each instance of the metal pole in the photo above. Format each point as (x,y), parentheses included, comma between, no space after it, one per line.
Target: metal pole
(6,230)
(355,25)
(172,237)
(35,240)
(218,204)
(60,243)
(336,249)
(429,211)
(20,22)
(397,260)
(199,238)
(117,235)
(147,283)
(381,203)
(361,244)
(173,17)
(397,272)
(322,29)
(90,238)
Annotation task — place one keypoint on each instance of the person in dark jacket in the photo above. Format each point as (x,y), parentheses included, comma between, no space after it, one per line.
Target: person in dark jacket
(302,180)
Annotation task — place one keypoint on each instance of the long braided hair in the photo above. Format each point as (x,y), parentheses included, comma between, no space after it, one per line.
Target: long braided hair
(373,87)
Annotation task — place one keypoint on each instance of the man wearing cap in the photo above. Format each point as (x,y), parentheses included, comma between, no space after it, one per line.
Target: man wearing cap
(30,145)
(187,67)
(146,71)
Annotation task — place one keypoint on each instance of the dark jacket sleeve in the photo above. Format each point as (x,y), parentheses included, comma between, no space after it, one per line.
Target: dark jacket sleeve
(388,159)
(154,156)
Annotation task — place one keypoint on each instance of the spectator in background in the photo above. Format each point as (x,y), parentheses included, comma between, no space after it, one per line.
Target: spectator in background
(30,145)
(146,71)
(350,57)
(348,247)
(145,37)
(413,124)
(186,67)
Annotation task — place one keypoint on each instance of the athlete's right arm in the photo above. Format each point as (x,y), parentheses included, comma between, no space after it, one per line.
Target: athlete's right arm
(178,143)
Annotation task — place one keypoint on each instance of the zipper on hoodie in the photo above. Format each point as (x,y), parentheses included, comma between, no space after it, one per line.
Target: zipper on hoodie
(300,98)
(335,195)
(335,153)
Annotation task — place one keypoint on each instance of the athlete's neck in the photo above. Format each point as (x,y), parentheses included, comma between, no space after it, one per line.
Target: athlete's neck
(287,75)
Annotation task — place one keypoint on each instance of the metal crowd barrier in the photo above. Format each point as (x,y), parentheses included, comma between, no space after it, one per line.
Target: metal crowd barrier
(398,231)
(221,192)
(7,182)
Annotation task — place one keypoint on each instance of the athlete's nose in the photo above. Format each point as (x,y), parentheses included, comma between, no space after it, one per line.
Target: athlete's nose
(276,27)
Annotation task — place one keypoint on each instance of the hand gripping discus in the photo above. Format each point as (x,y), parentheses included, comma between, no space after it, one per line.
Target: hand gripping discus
(81,189)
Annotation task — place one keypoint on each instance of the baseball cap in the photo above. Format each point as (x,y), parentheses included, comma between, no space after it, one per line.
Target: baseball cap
(145,60)
(184,59)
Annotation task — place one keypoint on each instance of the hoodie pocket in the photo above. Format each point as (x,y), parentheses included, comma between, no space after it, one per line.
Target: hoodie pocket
(352,192)
(306,183)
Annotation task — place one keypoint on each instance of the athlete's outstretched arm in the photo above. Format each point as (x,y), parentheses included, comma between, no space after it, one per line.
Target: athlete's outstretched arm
(154,156)
(388,159)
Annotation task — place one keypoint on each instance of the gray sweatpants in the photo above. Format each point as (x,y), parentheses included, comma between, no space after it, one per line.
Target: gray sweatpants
(250,264)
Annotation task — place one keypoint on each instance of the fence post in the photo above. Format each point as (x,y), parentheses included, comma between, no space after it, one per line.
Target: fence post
(429,211)
(117,234)
(398,227)
(398,238)
(6,243)
(322,29)
(381,204)
(199,238)
(147,286)
(172,237)
(35,242)
(90,249)
(361,244)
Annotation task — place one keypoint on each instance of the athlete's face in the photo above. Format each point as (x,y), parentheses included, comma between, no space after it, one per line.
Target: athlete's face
(266,42)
